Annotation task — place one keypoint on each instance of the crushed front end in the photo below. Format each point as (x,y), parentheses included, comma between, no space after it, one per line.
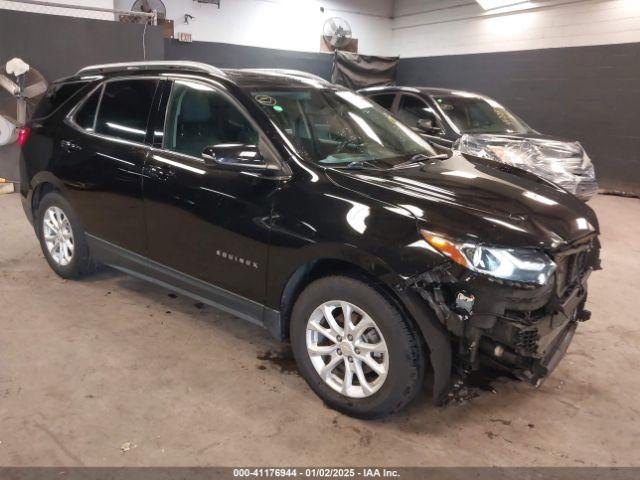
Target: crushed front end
(564,163)
(519,327)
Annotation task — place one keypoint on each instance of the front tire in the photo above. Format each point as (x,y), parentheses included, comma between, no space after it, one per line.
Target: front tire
(62,239)
(355,349)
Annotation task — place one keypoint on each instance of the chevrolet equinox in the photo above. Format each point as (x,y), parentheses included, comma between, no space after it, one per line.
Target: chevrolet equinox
(311,211)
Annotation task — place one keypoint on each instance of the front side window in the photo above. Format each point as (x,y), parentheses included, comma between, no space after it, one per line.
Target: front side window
(474,114)
(412,109)
(385,100)
(199,116)
(124,109)
(339,127)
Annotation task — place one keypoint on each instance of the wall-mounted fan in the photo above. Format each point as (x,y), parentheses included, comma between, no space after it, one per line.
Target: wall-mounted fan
(21,88)
(337,32)
(150,6)
(337,35)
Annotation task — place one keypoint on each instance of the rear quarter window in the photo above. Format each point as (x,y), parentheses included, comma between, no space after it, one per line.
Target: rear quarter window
(56,95)
(85,117)
(124,109)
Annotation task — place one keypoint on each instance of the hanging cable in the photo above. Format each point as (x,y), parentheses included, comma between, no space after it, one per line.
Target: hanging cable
(144,46)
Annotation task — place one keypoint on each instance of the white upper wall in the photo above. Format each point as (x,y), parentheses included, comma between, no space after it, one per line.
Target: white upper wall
(282,24)
(446,27)
(409,28)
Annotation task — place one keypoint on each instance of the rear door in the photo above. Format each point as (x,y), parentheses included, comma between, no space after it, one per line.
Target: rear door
(102,160)
(208,222)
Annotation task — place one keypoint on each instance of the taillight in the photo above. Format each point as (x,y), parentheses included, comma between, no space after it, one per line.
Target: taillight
(23,136)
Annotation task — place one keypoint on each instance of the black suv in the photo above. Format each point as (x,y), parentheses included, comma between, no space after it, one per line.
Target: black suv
(309,210)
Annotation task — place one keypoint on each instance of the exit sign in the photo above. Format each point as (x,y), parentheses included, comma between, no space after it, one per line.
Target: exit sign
(184,37)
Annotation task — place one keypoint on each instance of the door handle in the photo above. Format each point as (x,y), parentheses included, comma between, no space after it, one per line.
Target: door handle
(161,174)
(69,146)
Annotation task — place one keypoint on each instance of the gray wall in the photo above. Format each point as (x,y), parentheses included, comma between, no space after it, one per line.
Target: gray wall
(225,55)
(591,94)
(58,46)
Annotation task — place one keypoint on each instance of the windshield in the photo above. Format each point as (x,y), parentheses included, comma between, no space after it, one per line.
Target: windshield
(473,114)
(340,127)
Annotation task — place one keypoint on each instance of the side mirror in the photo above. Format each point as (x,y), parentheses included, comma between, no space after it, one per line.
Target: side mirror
(426,125)
(236,155)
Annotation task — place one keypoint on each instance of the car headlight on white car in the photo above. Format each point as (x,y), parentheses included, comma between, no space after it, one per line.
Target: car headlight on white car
(515,264)
(564,163)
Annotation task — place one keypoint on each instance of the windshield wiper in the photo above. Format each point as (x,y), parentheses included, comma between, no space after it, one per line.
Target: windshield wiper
(357,164)
(419,158)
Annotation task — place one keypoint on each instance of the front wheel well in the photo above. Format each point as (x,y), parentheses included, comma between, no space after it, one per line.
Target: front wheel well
(316,269)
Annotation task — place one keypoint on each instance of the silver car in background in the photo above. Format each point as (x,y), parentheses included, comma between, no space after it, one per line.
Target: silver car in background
(480,126)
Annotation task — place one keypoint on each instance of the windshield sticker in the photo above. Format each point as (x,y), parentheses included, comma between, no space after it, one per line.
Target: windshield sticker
(265,100)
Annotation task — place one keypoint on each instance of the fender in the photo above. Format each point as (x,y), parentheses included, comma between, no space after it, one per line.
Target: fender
(438,341)
(433,332)
(37,181)
(307,257)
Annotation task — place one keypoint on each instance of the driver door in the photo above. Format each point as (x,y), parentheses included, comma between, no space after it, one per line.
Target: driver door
(207,222)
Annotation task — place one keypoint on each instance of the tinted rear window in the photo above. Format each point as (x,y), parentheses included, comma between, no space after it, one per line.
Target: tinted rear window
(124,110)
(55,96)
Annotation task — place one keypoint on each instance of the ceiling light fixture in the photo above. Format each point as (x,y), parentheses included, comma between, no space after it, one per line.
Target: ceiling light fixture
(493,4)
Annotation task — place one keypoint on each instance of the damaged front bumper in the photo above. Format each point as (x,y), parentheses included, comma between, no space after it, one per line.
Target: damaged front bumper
(532,344)
(523,329)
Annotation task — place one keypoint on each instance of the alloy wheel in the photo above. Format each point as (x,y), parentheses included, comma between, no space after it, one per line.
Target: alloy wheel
(347,349)
(58,235)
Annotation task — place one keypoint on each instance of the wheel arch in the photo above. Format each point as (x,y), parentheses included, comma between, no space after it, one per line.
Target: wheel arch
(317,268)
(41,184)
(39,193)
(433,335)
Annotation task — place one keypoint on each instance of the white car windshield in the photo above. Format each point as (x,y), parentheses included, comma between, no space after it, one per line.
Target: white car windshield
(475,114)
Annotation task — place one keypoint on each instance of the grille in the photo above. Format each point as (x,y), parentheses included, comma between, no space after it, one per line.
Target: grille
(527,339)
(570,269)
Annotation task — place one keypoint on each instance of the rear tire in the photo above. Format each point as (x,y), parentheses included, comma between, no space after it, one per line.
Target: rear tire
(371,368)
(62,239)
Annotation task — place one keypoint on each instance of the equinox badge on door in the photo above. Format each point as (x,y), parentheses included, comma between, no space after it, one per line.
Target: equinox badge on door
(235,258)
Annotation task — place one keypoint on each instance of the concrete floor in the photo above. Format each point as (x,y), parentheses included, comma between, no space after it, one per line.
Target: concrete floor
(87,366)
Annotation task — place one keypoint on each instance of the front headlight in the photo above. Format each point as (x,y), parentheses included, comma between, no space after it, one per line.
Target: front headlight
(515,264)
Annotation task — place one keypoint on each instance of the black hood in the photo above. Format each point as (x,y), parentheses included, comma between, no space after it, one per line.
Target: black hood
(467,198)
